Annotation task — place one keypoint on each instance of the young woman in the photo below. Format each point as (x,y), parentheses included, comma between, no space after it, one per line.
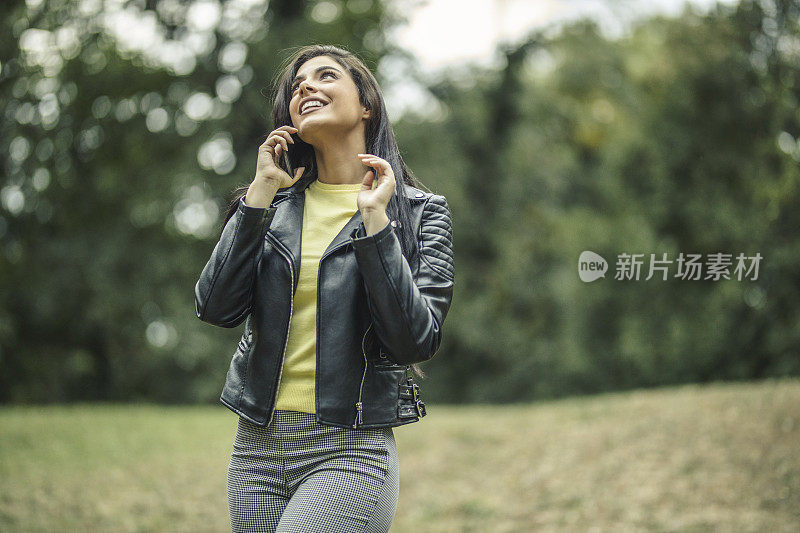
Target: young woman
(343,276)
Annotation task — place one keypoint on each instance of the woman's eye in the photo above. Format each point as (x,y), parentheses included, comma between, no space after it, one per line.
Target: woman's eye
(328,73)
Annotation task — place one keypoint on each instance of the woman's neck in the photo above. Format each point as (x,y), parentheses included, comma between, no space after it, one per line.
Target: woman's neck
(337,161)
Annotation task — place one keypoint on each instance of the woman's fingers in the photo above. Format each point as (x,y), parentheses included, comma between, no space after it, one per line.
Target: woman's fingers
(378,184)
(281,136)
(382,166)
(371,160)
(284,134)
(280,142)
(268,164)
(375,160)
(266,155)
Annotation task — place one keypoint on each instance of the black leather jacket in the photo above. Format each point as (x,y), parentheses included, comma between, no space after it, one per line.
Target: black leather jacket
(376,313)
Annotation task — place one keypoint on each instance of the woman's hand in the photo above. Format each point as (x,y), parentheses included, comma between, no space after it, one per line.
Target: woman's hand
(269,154)
(373,202)
(269,175)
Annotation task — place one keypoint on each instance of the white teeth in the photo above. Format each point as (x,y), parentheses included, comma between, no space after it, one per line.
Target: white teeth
(312,103)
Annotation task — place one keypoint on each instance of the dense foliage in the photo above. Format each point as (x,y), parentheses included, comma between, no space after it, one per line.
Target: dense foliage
(680,137)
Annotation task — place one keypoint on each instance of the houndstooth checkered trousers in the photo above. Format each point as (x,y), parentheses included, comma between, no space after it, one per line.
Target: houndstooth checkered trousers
(300,476)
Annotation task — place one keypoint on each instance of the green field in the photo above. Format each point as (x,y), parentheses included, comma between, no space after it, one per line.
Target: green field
(722,457)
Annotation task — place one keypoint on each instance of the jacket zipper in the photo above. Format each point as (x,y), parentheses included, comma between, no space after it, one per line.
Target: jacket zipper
(288,258)
(359,405)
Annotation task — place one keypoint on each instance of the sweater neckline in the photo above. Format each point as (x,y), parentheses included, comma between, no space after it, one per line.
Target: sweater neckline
(335,187)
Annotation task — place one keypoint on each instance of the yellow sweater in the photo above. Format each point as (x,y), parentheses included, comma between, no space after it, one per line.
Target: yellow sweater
(328,207)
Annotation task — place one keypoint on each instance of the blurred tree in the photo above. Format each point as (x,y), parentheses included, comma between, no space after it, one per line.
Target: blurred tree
(120,150)
(681,137)
(124,132)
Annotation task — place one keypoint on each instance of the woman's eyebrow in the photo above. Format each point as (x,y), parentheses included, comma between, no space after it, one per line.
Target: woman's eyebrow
(318,69)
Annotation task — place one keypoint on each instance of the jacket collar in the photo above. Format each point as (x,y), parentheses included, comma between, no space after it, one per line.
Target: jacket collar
(287,223)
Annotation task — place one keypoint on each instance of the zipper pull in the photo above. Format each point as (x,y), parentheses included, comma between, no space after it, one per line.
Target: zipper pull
(359,419)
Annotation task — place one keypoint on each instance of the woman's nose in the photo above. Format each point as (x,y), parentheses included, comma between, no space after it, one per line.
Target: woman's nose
(305,87)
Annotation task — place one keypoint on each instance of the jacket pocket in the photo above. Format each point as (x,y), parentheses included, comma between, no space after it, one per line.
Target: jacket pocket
(375,352)
(386,365)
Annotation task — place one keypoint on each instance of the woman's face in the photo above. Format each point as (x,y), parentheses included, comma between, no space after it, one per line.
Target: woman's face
(322,79)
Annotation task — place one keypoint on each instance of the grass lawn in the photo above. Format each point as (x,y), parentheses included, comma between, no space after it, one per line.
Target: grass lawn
(721,457)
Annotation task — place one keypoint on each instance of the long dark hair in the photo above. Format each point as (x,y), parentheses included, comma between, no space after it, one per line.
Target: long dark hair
(379,135)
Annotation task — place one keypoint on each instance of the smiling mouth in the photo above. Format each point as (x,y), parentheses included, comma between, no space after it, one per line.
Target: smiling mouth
(312,109)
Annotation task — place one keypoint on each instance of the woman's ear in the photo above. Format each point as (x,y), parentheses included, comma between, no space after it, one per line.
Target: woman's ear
(365,113)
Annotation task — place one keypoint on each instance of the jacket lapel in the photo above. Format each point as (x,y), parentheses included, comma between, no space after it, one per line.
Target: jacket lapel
(344,235)
(287,225)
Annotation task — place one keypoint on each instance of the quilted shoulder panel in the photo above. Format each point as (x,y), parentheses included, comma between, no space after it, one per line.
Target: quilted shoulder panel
(436,236)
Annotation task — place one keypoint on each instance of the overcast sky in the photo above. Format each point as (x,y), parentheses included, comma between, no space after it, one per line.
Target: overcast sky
(441,34)
(445,32)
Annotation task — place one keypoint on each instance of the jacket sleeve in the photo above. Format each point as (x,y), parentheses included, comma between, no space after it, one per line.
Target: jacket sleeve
(407,309)
(224,293)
